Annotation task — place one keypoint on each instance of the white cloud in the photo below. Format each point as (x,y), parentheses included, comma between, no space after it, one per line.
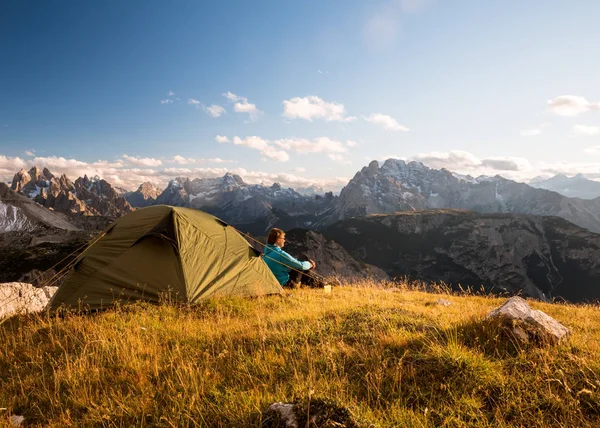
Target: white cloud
(167,101)
(351,143)
(571,105)
(531,132)
(336,157)
(183,160)
(194,102)
(142,161)
(318,145)
(299,169)
(455,159)
(386,122)
(9,166)
(459,161)
(313,107)
(586,130)
(593,150)
(243,106)
(263,146)
(534,131)
(221,139)
(218,160)
(171,94)
(30,152)
(215,110)
(506,163)
(233,97)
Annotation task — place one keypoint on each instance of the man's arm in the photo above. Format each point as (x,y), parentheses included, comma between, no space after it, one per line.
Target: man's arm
(290,261)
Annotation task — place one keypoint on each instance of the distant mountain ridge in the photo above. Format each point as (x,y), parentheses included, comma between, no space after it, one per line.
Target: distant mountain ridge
(394,186)
(400,186)
(577,186)
(85,196)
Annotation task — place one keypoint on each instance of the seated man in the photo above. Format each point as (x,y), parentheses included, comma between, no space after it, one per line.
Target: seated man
(286,268)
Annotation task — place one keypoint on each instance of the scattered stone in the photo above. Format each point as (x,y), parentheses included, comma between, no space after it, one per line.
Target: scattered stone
(22,298)
(282,414)
(527,324)
(442,302)
(16,420)
(315,413)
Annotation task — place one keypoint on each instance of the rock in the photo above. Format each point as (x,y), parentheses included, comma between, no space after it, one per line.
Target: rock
(442,302)
(20,298)
(16,420)
(285,414)
(315,413)
(528,324)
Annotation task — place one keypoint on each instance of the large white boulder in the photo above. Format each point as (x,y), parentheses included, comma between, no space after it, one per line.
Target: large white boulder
(528,324)
(23,298)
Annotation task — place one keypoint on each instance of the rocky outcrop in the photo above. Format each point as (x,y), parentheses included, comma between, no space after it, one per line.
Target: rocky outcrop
(400,186)
(22,298)
(331,258)
(84,197)
(541,257)
(526,324)
(144,196)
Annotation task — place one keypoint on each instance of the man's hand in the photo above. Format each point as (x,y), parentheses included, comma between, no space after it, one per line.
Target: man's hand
(313,264)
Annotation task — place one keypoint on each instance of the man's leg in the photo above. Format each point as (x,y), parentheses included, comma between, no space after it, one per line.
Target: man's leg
(295,279)
(310,280)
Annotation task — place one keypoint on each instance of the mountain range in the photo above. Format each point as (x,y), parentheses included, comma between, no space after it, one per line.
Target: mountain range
(394,186)
(577,186)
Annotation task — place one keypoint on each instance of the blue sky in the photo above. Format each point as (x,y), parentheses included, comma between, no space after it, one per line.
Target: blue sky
(298,92)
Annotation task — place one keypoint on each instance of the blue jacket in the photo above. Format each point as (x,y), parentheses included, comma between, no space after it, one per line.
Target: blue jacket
(281,263)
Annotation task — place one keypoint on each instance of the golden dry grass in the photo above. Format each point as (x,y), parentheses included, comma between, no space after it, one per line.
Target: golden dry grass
(391,357)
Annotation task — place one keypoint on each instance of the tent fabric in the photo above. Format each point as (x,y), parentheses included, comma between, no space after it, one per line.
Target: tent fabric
(164,252)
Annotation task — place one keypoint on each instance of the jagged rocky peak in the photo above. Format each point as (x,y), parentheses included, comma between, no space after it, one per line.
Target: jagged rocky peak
(47,174)
(149,190)
(373,167)
(230,179)
(87,196)
(145,195)
(276,186)
(20,179)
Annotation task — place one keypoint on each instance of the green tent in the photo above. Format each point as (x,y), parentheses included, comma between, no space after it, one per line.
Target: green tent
(182,254)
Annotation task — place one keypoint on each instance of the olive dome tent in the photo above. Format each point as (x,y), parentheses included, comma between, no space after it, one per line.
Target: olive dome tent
(186,254)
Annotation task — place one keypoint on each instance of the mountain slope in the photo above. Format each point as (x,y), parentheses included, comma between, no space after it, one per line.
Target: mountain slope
(20,214)
(542,257)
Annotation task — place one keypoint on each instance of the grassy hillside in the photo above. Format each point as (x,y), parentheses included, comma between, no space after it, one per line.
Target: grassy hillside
(393,358)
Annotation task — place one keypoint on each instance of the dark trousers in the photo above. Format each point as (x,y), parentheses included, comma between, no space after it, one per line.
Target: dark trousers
(299,279)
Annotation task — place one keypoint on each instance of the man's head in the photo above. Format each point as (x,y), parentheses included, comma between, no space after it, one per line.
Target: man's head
(276,237)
